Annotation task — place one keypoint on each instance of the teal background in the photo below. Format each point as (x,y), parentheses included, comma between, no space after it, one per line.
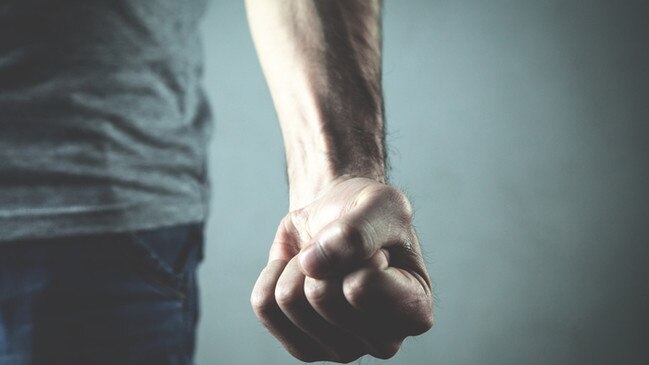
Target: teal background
(519,130)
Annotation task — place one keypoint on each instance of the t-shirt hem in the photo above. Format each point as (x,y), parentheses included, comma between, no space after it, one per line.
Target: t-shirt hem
(135,217)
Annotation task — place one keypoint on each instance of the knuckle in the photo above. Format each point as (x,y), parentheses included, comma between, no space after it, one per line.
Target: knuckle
(296,222)
(417,317)
(355,236)
(286,295)
(400,201)
(424,323)
(262,302)
(350,231)
(315,291)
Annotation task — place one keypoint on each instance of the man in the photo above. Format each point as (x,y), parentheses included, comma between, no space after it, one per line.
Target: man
(103,196)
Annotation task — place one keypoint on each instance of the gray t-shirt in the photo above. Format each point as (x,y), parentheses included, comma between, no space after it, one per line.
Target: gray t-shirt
(103,122)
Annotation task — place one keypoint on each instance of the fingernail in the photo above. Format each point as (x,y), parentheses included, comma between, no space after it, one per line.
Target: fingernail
(313,259)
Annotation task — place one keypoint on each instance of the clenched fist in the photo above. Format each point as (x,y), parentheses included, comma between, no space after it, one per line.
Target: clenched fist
(345,275)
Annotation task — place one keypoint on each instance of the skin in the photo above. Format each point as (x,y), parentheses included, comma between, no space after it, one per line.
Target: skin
(345,275)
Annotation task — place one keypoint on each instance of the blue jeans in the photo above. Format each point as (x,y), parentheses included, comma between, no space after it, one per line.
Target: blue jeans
(126,298)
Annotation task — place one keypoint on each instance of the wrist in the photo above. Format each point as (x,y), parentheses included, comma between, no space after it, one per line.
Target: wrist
(306,188)
(319,154)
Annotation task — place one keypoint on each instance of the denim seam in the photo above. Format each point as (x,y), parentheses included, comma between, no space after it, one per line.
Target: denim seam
(171,281)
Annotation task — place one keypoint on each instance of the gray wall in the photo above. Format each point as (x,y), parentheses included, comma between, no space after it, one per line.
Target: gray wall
(518,129)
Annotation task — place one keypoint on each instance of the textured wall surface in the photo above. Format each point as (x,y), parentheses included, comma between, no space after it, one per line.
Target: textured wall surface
(519,129)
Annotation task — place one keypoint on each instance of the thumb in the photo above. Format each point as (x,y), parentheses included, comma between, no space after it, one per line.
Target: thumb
(347,242)
(338,247)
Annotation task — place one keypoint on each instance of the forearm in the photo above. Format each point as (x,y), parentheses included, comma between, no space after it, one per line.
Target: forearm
(322,62)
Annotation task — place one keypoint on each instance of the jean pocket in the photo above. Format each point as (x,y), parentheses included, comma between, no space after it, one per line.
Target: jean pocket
(166,257)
